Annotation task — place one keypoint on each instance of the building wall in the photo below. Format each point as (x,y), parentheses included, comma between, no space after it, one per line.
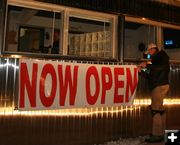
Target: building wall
(142,8)
(174,54)
(54,128)
(27,128)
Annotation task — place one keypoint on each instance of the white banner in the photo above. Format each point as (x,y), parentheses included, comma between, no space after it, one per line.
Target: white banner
(57,85)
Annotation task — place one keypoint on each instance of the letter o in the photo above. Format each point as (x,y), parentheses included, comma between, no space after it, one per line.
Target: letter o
(91,99)
(47,101)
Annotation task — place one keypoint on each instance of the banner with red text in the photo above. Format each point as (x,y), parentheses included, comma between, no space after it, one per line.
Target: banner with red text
(57,85)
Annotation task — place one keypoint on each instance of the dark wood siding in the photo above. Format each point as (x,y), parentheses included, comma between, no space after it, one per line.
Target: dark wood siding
(143,8)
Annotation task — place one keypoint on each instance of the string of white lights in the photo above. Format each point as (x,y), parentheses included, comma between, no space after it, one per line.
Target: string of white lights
(138,103)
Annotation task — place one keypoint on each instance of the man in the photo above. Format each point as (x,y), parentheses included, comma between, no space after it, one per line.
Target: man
(158,72)
(55,48)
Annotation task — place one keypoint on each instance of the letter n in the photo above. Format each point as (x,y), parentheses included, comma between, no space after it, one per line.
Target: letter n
(26,84)
(131,83)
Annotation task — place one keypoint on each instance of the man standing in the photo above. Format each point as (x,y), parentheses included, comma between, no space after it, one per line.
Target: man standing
(158,74)
(55,48)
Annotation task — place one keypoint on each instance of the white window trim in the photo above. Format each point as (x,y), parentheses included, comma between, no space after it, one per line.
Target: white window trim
(65,26)
(151,22)
(158,25)
(65,15)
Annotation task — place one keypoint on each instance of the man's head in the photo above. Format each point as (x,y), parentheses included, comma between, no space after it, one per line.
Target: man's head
(56,35)
(152,49)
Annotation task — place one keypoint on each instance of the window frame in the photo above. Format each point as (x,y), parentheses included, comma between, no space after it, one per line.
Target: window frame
(158,26)
(65,13)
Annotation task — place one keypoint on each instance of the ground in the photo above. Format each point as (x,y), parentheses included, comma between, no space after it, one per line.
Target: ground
(131,141)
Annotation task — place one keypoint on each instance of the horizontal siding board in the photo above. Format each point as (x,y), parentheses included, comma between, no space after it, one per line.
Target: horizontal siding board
(150,9)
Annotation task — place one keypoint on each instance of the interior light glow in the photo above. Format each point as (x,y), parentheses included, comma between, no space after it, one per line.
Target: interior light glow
(68,112)
(141,102)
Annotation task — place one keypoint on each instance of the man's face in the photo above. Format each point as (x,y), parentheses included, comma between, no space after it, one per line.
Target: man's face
(152,51)
(56,36)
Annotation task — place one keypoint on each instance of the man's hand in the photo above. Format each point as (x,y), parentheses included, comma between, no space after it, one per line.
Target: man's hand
(141,66)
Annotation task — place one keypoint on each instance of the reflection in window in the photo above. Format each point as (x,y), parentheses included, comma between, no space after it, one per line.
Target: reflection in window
(31,30)
(89,37)
(171,38)
(30,39)
(171,42)
(137,38)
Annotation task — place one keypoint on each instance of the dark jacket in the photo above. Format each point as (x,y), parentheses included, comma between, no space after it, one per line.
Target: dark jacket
(55,49)
(159,70)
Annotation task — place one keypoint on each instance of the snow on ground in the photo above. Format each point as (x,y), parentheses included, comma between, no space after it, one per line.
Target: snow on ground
(129,141)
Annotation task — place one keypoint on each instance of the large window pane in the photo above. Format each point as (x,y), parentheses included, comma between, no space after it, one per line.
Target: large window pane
(33,31)
(137,38)
(171,42)
(88,37)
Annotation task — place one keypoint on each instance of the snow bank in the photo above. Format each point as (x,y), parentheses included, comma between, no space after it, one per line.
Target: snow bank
(129,141)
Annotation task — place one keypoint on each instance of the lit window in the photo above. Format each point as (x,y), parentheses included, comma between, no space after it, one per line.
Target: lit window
(33,31)
(90,37)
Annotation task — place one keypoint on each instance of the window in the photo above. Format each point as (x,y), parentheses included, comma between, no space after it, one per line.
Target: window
(88,37)
(171,42)
(137,38)
(33,31)
(44,28)
(171,38)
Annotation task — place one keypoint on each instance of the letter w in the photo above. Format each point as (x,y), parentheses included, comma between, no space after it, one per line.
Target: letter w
(66,81)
